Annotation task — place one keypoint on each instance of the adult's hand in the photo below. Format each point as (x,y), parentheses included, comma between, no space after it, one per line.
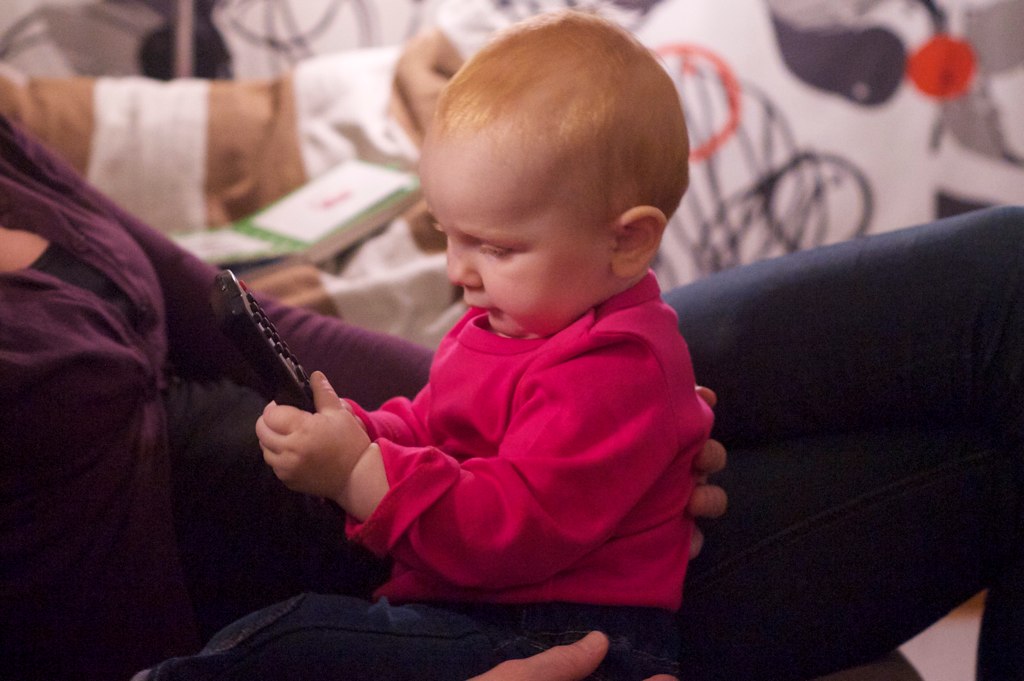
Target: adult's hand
(706,500)
(571,662)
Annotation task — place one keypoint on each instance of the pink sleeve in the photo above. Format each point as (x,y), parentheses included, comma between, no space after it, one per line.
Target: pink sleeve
(401,420)
(565,478)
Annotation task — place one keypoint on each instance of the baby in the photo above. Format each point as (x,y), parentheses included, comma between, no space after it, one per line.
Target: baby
(538,483)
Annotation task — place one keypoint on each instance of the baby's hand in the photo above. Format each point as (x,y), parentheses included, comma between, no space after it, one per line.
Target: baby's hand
(313,453)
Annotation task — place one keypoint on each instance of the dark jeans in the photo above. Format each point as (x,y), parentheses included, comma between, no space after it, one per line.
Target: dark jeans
(318,636)
(870,398)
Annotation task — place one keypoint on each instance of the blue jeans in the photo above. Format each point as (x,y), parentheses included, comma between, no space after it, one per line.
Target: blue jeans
(871,396)
(318,637)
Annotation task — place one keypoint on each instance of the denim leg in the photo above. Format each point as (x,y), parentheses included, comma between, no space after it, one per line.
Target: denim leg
(314,636)
(872,398)
(837,549)
(1001,648)
(921,324)
(320,637)
(643,642)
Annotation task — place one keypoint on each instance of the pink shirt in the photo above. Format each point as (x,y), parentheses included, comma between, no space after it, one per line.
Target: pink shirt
(538,470)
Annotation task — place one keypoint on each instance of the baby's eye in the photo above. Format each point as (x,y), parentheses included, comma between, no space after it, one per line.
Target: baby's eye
(495,251)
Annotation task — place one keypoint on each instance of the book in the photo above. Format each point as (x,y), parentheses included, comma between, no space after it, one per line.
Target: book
(316,222)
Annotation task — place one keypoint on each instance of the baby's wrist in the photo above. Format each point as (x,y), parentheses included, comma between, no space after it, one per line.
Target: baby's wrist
(366,485)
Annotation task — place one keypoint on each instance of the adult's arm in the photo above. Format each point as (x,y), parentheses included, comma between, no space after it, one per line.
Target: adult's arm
(366,365)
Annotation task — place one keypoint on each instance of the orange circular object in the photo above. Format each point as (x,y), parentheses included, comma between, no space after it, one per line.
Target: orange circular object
(943,67)
(696,62)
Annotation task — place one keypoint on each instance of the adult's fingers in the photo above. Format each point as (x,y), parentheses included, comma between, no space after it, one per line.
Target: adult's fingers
(571,662)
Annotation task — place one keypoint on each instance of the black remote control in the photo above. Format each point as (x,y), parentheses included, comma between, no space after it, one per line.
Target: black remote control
(243,320)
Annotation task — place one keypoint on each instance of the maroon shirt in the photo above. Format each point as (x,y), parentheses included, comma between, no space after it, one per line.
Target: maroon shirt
(90,585)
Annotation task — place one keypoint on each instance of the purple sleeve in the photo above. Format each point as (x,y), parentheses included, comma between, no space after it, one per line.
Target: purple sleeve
(367,366)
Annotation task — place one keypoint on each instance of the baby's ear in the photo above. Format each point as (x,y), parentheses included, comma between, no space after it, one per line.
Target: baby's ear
(637,238)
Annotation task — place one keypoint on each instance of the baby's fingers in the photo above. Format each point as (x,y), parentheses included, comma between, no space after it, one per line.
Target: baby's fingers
(272,437)
(282,418)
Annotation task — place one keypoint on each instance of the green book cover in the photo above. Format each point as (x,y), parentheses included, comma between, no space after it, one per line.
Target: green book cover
(317,221)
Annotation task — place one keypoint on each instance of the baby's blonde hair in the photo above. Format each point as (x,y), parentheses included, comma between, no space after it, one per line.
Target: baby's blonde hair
(580,88)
